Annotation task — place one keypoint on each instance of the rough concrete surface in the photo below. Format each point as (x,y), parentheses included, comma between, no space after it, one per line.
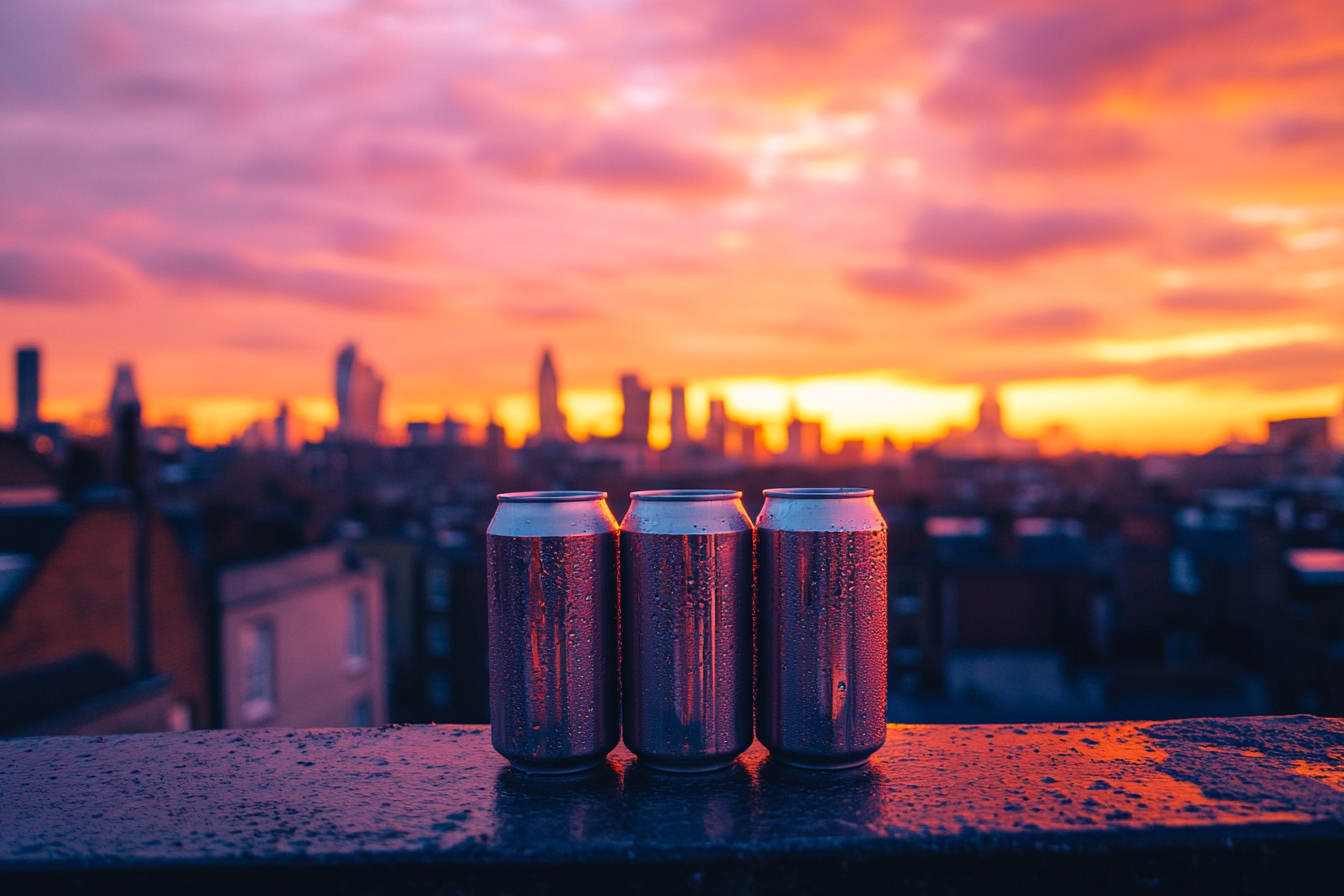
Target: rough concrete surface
(1221,805)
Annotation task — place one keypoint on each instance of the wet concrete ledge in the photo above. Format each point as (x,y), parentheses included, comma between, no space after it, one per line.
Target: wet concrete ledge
(1209,805)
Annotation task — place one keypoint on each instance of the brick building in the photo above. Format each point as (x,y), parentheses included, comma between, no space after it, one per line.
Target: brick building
(104,624)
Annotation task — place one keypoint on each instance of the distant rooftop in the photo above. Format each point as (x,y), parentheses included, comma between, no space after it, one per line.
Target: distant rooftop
(246,581)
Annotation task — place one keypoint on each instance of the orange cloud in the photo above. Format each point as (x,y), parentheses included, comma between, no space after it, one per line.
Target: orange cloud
(1223,302)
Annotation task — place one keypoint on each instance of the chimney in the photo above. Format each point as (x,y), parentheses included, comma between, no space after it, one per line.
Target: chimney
(131,477)
(27,380)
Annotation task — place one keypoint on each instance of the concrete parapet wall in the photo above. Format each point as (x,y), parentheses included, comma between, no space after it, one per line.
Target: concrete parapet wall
(1208,805)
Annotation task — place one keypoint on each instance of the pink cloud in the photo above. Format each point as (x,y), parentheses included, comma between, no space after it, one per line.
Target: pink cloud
(1060,144)
(629,164)
(1064,55)
(907,283)
(1214,241)
(987,236)
(1305,131)
(62,275)
(231,272)
(843,51)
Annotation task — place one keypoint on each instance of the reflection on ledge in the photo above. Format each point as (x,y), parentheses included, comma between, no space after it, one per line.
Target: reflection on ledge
(1202,805)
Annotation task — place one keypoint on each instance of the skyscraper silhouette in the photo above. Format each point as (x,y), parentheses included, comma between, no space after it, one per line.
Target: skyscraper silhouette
(282,428)
(359,396)
(635,410)
(553,421)
(988,438)
(716,429)
(123,394)
(123,416)
(680,436)
(804,439)
(991,413)
(27,363)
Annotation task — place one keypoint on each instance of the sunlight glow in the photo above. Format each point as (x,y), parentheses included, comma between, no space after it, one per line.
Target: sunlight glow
(1207,345)
(1129,416)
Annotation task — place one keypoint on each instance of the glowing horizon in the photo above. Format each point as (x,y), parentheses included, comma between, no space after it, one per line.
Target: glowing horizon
(1117,415)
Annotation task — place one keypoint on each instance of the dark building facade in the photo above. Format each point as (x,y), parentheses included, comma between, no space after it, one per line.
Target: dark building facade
(436,627)
(28,388)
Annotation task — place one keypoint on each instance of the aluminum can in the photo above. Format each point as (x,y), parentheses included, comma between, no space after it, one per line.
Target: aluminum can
(686,628)
(551,582)
(822,626)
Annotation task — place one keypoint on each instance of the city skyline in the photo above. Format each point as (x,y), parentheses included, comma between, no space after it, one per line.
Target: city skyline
(658,417)
(1130,218)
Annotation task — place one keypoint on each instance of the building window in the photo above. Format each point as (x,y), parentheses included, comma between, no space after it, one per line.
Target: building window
(357,632)
(361,713)
(439,689)
(437,597)
(438,638)
(256,642)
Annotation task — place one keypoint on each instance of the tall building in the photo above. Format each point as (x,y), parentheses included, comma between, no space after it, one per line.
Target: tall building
(681,437)
(635,410)
(1299,434)
(716,429)
(27,363)
(804,440)
(123,393)
(359,397)
(754,451)
(553,422)
(988,439)
(436,630)
(991,413)
(123,417)
(282,428)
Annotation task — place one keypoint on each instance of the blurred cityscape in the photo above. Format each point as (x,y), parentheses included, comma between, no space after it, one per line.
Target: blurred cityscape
(147,583)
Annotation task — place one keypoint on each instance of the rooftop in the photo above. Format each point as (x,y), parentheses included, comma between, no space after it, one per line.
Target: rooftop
(1213,805)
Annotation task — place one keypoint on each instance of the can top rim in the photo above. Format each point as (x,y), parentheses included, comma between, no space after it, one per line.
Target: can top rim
(818,493)
(686,494)
(549,497)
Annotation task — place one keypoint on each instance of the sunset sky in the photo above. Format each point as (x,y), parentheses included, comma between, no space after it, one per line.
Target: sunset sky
(1128,215)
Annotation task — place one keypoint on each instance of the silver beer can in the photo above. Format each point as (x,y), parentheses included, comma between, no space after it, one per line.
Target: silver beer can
(822,626)
(686,628)
(551,582)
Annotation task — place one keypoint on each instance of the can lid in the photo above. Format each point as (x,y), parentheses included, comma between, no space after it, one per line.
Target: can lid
(549,497)
(686,494)
(818,493)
